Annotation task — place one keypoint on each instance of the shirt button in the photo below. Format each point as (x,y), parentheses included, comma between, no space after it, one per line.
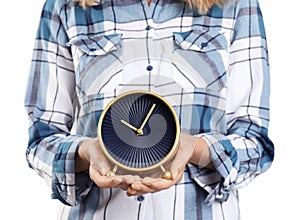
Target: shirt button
(93,48)
(140,198)
(148,28)
(204,45)
(149,68)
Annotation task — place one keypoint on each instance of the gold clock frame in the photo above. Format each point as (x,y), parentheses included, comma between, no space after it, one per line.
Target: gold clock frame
(160,164)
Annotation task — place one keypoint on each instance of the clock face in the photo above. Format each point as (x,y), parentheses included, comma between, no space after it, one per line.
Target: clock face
(139,130)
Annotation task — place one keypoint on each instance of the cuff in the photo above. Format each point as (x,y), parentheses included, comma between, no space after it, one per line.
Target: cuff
(67,186)
(219,182)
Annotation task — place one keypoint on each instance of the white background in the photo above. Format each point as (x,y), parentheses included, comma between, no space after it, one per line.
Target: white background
(273,195)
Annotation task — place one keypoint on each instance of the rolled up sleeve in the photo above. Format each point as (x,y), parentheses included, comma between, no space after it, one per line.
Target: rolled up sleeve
(245,151)
(51,106)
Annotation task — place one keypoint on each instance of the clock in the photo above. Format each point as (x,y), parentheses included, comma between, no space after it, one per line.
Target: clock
(139,133)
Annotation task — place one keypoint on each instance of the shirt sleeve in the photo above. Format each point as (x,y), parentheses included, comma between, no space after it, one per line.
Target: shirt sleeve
(51,105)
(245,151)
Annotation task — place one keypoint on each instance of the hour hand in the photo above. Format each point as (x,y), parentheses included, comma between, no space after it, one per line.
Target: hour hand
(129,125)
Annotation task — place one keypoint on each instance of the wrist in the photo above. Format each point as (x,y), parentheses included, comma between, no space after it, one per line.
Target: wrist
(82,163)
(201,154)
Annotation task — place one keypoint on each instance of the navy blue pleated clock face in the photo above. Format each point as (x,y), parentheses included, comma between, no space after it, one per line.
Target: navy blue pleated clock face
(138,131)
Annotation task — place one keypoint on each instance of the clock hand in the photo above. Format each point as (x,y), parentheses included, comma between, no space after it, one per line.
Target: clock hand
(129,125)
(140,130)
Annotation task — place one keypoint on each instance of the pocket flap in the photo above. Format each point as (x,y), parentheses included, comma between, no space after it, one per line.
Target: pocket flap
(97,44)
(201,40)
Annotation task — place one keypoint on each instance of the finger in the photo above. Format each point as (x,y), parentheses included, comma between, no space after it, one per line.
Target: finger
(129,179)
(179,176)
(124,186)
(151,185)
(104,181)
(130,192)
(138,188)
(158,184)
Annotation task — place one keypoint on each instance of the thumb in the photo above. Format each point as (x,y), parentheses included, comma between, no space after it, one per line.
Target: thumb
(101,164)
(95,156)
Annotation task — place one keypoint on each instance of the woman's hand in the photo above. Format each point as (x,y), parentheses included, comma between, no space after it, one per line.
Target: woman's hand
(191,149)
(90,156)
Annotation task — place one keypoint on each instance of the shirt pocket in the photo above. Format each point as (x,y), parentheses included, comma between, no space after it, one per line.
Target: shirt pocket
(93,55)
(203,53)
(206,52)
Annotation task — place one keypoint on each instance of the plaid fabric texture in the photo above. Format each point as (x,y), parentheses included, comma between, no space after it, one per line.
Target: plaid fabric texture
(212,68)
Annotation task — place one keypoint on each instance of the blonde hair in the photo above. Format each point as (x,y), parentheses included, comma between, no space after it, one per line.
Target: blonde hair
(201,5)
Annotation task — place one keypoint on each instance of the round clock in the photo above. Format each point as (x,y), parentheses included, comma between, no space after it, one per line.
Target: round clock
(139,132)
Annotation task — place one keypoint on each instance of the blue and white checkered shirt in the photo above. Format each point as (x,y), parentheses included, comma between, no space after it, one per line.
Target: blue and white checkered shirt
(213,68)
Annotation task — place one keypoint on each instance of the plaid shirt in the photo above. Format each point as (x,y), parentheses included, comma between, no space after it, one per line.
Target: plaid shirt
(212,68)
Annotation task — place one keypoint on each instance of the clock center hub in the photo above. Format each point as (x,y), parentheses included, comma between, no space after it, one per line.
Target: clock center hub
(139,132)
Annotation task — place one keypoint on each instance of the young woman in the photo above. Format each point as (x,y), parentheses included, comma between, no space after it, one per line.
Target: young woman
(208,58)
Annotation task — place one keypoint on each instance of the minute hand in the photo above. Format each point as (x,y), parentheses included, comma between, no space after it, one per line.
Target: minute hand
(140,130)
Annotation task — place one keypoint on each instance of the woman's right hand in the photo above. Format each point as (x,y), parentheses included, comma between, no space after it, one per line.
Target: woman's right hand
(90,156)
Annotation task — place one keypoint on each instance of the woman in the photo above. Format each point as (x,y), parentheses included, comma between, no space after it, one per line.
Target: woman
(208,58)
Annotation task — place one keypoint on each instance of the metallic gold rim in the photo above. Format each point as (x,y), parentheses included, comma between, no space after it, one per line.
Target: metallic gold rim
(165,159)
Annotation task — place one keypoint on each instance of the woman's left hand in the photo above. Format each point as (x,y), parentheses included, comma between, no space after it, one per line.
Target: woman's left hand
(184,154)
